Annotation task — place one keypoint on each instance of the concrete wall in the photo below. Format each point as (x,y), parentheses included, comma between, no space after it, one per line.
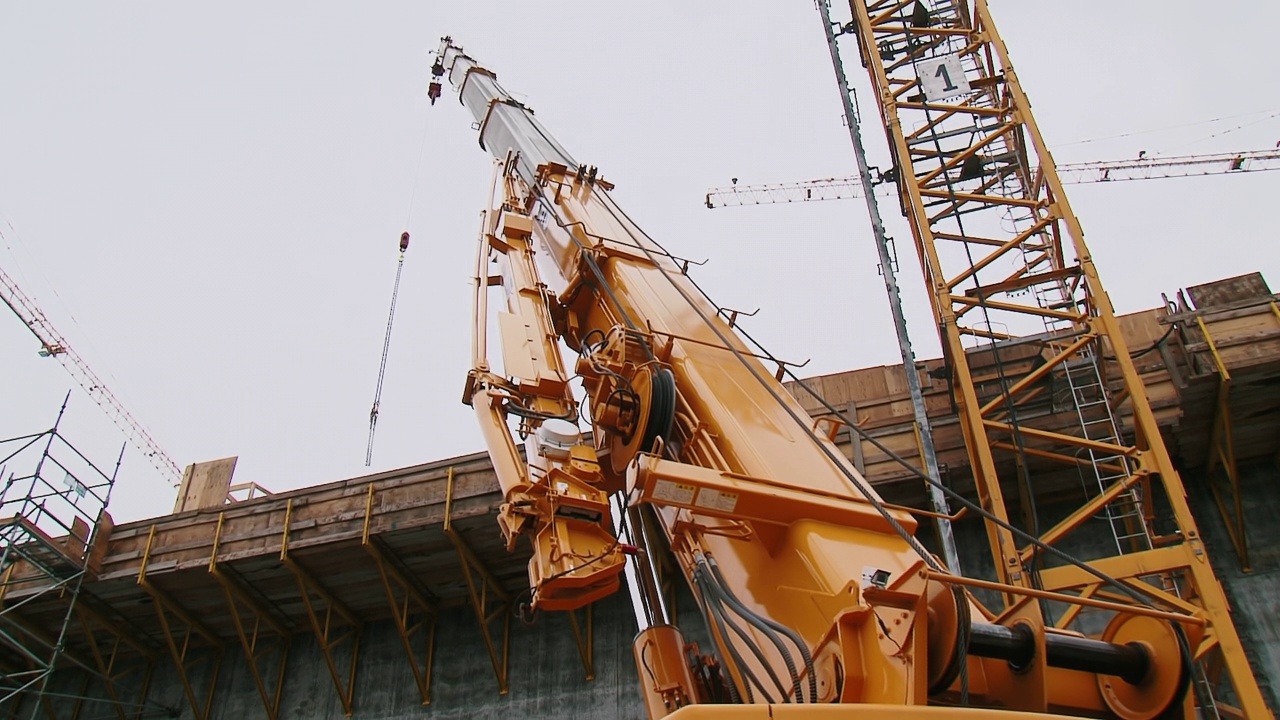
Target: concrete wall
(1254,596)
(546,675)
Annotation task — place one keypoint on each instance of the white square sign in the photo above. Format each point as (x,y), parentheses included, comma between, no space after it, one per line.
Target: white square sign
(942,78)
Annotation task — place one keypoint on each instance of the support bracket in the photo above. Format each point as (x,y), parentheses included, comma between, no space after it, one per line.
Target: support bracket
(263,637)
(488,600)
(113,663)
(584,638)
(331,620)
(414,615)
(1222,453)
(184,635)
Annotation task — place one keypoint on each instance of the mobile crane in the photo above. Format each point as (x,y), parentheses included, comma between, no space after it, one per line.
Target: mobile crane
(814,590)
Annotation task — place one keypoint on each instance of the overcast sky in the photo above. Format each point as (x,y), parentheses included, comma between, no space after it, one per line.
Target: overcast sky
(206,199)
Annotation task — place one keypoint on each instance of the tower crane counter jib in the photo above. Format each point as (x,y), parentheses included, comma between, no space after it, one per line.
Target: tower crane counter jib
(813,589)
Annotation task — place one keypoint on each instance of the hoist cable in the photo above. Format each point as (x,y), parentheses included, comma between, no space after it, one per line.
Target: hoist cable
(417,172)
(395,292)
(386,347)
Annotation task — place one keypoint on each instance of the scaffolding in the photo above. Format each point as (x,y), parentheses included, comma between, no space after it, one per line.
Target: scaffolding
(51,521)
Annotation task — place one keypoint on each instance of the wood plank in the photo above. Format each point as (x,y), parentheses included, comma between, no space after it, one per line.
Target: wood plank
(205,485)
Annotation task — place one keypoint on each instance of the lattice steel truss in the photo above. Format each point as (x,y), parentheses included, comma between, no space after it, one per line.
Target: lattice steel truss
(50,522)
(1029,334)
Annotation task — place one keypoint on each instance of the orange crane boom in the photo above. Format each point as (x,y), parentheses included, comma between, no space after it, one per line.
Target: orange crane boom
(814,590)
(1142,168)
(53,344)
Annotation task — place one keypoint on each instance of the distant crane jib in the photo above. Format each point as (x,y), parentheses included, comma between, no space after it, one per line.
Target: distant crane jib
(1144,168)
(54,345)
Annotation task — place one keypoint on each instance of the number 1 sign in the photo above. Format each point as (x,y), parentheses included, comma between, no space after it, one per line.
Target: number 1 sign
(942,78)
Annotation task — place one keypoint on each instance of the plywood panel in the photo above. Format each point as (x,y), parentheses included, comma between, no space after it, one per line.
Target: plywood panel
(205,485)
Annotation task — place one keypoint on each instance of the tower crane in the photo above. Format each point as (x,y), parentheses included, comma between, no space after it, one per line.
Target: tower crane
(1141,168)
(54,345)
(818,599)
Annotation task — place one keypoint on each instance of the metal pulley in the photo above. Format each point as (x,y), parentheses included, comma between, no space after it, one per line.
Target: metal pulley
(437,70)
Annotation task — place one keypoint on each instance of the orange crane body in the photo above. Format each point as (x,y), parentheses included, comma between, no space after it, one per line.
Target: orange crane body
(814,589)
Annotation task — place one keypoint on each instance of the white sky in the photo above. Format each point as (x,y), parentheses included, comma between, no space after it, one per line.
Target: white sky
(206,200)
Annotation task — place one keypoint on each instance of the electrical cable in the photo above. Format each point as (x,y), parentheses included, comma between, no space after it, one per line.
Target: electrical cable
(1168,127)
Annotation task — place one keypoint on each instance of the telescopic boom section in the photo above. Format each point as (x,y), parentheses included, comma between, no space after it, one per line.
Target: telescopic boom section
(813,590)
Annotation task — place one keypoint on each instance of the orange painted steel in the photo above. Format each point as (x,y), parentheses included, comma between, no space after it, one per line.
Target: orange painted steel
(770,523)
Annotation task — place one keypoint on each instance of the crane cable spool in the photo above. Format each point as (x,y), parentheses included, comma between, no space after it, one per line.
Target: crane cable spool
(386,347)
(657,388)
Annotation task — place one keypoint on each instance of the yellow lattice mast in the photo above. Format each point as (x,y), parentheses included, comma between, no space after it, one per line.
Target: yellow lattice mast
(1029,334)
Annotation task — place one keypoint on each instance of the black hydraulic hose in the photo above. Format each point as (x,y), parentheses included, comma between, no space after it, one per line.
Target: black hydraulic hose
(722,594)
(718,626)
(791,635)
(718,606)
(717,614)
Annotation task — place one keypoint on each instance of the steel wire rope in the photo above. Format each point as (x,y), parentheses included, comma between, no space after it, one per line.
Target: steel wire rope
(605,287)
(395,292)
(837,460)
(382,368)
(417,172)
(1024,474)
(1146,601)
(613,209)
(1136,594)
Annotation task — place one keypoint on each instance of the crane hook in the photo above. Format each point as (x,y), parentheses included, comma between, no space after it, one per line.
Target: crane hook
(404,241)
